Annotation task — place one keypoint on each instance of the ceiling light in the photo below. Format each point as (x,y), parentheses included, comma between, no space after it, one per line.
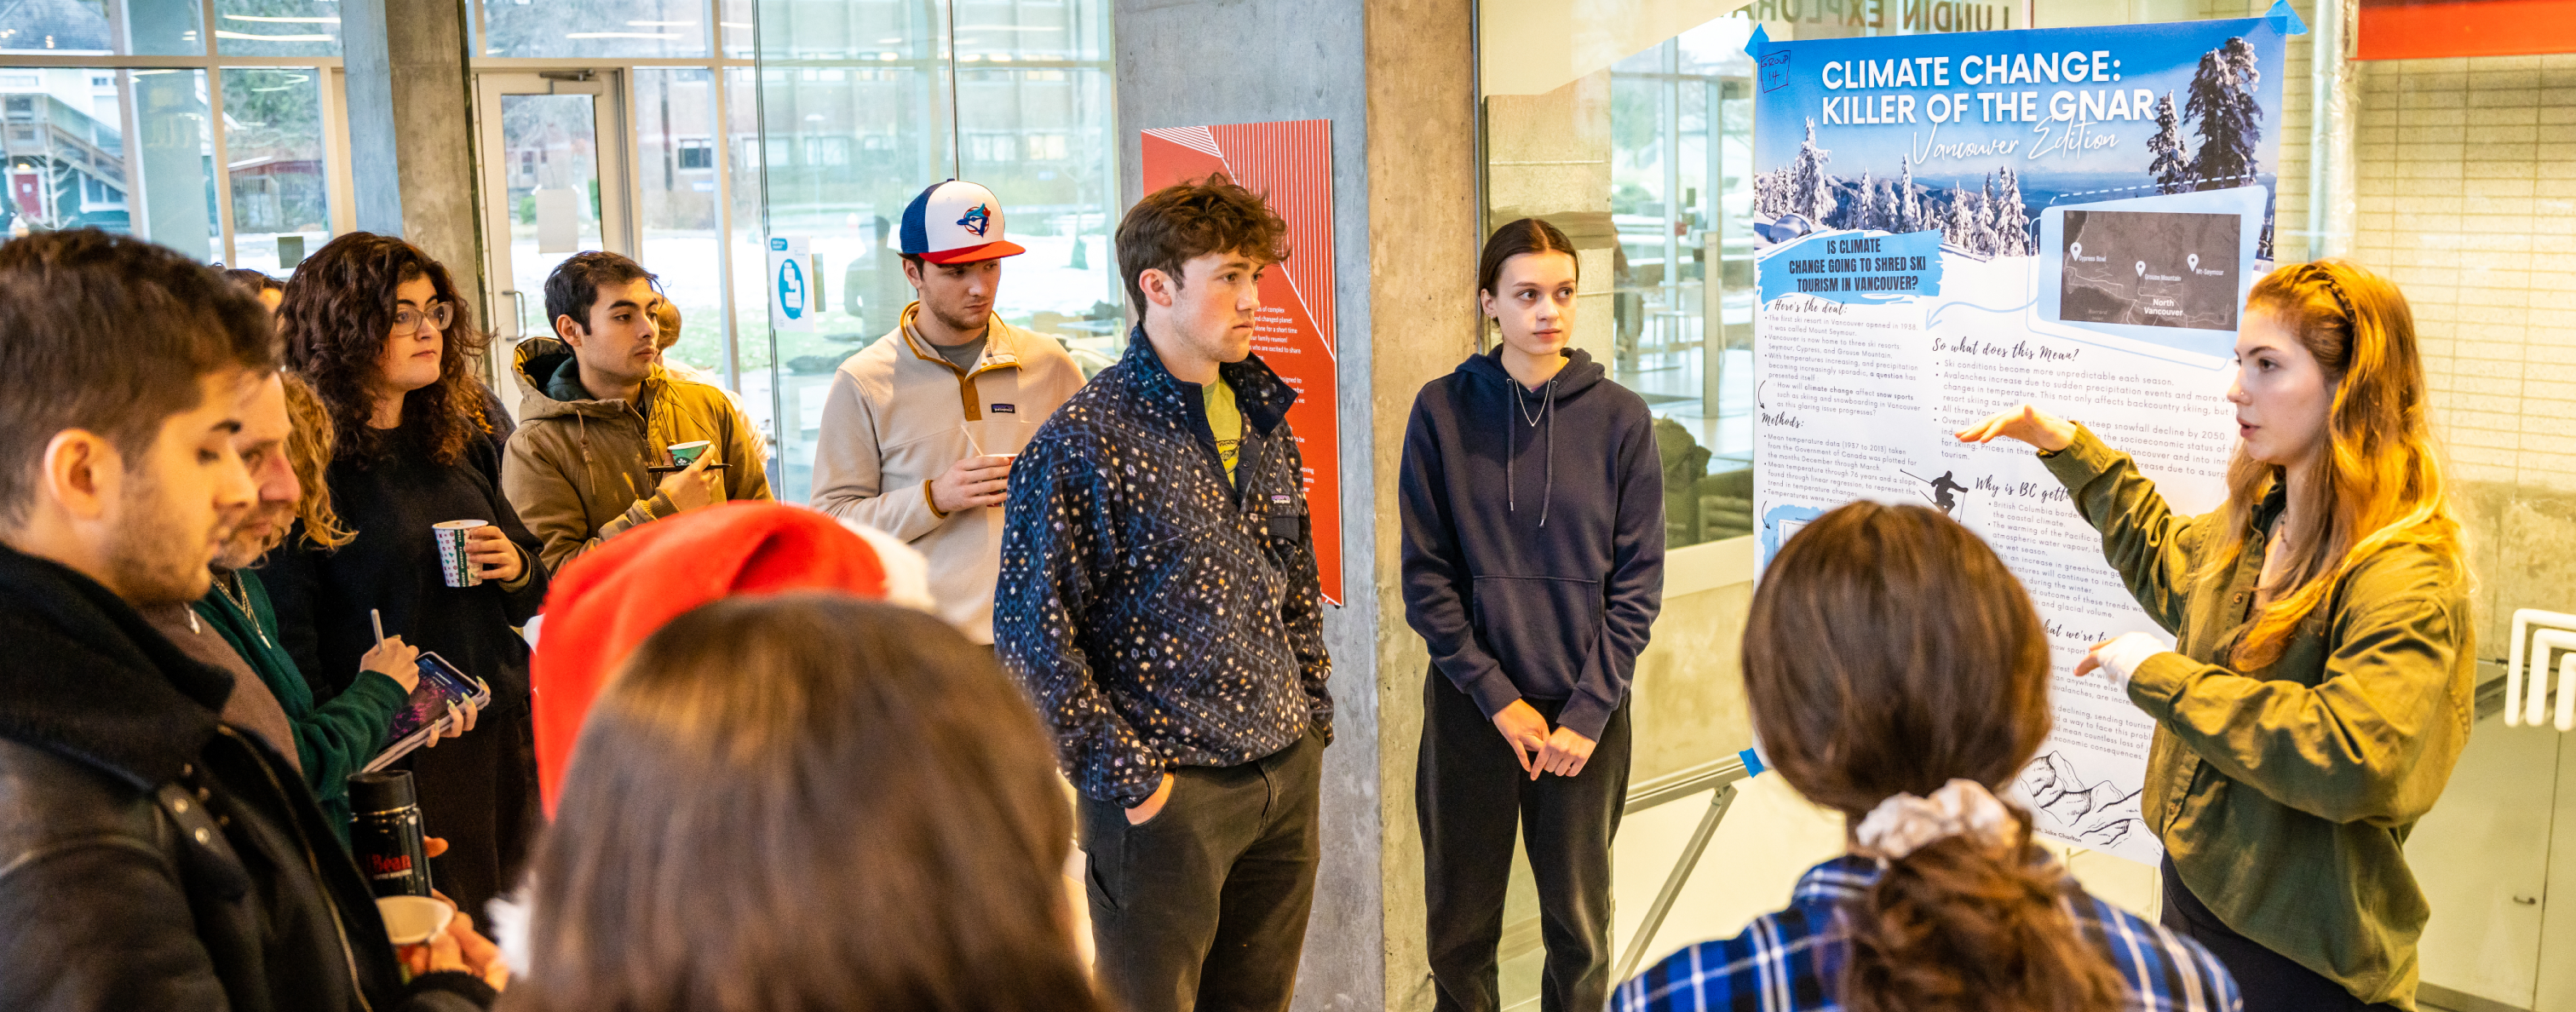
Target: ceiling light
(662,24)
(281,21)
(248,37)
(621,35)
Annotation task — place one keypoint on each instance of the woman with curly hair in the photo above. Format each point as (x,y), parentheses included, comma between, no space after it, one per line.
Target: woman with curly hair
(381,333)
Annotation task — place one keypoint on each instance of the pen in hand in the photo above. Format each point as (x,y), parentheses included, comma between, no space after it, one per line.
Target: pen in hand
(377,619)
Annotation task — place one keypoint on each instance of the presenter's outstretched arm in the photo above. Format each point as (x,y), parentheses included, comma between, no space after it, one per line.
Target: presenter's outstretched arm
(2142,538)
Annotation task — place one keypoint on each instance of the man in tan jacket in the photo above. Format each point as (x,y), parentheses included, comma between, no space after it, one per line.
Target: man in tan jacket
(920,427)
(598,415)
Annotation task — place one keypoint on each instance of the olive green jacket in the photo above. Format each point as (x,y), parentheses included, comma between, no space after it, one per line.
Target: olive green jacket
(2284,795)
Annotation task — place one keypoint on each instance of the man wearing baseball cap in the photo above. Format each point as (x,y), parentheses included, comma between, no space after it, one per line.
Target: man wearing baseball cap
(919,428)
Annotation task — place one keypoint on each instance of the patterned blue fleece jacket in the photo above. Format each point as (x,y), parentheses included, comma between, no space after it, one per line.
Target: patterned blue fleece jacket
(1159,615)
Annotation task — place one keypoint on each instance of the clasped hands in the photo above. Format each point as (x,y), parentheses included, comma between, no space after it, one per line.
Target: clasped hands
(1561,751)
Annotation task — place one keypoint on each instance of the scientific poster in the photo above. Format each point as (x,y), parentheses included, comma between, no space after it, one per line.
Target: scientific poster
(1951,225)
(1289,163)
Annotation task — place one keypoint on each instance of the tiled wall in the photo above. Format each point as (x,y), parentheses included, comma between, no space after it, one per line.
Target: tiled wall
(2466,171)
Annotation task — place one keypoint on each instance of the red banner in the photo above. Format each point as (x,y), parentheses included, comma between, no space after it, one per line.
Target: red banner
(1290,164)
(2426,29)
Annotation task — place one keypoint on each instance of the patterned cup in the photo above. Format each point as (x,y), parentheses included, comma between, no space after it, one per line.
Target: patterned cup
(452,561)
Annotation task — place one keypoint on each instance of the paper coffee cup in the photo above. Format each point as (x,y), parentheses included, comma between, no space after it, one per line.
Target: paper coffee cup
(452,561)
(411,920)
(685,454)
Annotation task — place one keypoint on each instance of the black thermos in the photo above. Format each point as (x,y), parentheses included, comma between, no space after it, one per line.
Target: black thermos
(385,836)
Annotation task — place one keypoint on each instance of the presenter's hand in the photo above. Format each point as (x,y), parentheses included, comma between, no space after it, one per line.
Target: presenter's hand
(493,551)
(690,487)
(972,482)
(396,660)
(1565,754)
(2026,423)
(2119,658)
(1153,806)
(1526,730)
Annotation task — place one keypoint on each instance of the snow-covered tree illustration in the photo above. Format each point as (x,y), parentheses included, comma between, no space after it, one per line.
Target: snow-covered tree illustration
(2011,218)
(1811,190)
(1960,226)
(1990,226)
(2226,116)
(1865,210)
(2171,169)
(1909,212)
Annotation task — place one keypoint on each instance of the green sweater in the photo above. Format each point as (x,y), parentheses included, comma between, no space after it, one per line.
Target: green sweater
(2284,796)
(332,740)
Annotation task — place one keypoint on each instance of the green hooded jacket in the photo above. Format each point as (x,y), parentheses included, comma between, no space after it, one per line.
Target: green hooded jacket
(2284,795)
(333,739)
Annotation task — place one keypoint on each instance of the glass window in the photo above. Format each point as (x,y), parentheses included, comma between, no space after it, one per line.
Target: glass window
(675,174)
(1643,165)
(1035,104)
(273,150)
(84,28)
(851,137)
(665,29)
(861,114)
(277,27)
(70,167)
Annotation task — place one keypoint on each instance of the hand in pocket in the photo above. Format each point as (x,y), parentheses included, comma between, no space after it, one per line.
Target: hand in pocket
(1153,806)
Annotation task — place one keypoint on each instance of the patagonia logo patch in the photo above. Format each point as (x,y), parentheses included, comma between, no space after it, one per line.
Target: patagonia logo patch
(1280,500)
(1005,409)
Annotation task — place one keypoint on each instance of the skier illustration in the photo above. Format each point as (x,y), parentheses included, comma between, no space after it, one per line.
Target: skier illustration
(1944,490)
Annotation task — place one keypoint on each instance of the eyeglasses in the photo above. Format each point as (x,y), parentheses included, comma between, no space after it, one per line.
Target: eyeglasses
(413,321)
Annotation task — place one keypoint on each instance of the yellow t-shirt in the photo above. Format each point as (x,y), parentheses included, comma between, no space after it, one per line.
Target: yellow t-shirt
(1226,422)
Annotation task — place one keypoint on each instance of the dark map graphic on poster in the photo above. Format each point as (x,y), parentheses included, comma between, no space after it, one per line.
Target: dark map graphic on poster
(2150,269)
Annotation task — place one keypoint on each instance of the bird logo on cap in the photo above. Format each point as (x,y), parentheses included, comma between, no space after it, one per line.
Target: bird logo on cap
(977,219)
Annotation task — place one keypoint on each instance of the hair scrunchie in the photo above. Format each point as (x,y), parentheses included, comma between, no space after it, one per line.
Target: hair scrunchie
(1904,823)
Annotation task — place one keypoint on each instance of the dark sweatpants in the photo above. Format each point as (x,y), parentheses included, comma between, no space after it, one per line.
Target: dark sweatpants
(1470,795)
(1204,906)
(2265,979)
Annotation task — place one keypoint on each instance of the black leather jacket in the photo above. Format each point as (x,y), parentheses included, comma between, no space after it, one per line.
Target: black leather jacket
(152,857)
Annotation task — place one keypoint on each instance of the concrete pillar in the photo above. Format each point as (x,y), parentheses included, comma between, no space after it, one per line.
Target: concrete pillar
(411,129)
(1396,79)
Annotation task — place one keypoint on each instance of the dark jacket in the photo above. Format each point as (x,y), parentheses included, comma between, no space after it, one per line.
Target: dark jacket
(1533,535)
(151,856)
(332,739)
(1161,616)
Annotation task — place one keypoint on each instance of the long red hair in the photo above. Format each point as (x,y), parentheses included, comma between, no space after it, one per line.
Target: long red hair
(2380,481)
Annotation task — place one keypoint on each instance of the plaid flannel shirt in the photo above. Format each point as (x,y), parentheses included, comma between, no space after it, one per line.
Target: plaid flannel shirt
(1790,961)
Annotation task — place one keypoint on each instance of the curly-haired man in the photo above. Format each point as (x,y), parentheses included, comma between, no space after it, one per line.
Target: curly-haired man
(1158,598)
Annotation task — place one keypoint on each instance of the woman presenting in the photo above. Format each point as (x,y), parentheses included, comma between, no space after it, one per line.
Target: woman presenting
(2319,688)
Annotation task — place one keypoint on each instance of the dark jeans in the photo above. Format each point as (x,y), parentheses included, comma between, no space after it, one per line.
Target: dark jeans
(2266,980)
(1470,794)
(1204,906)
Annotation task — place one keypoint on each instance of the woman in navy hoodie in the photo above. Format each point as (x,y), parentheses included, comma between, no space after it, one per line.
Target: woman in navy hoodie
(1534,618)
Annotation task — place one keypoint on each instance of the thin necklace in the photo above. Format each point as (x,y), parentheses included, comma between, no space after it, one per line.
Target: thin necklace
(240,598)
(1526,414)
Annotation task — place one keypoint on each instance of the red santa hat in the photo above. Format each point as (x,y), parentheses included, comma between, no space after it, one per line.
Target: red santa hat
(605,603)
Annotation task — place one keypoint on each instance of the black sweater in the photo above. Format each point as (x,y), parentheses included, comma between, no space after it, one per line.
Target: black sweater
(1533,536)
(323,597)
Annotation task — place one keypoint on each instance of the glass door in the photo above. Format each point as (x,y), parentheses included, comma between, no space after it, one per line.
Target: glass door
(555,183)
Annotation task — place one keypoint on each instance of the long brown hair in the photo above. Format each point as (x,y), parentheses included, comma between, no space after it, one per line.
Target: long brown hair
(806,801)
(2380,481)
(1889,651)
(309,446)
(338,309)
